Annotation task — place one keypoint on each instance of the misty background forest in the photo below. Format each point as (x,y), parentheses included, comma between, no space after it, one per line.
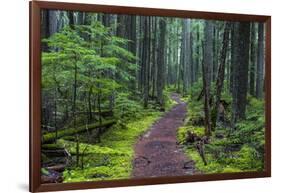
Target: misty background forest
(124,94)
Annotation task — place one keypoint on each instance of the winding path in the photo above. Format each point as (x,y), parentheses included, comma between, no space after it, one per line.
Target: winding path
(157,153)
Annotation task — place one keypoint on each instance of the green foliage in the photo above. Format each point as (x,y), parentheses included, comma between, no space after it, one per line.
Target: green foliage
(195,113)
(235,150)
(168,101)
(103,66)
(104,71)
(248,158)
(195,90)
(126,108)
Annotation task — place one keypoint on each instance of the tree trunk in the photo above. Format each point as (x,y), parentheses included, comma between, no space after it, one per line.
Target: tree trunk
(146,61)
(240,70)
(70,15)
(252,60)
(184,56)
(154,58)
(221,70)
(207,60)
(232,63)
(80,18)
(74,110)
(197,63)
(260,63)
(161,62)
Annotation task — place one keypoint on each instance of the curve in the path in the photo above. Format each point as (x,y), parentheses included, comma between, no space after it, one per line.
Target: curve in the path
(157,153)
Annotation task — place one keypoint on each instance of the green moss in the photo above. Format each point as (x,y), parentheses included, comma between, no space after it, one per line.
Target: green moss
(228,169)
(181,135)
(112,158)
(71,131)
(96,174)
(213,165)
(248,159)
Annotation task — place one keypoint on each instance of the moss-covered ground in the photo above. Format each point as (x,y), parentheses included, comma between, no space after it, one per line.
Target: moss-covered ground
(229,150)
(112,157)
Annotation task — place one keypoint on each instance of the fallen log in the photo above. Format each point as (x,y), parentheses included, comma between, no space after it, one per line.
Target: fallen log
(49,137)
(102,113)
(57,168)
(50,176)
(52,146)
(55,153)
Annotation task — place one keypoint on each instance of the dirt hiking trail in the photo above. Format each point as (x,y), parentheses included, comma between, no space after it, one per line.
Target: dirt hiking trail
(157,153)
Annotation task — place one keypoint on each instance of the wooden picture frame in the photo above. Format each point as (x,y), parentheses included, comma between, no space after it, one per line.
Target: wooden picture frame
(35,95)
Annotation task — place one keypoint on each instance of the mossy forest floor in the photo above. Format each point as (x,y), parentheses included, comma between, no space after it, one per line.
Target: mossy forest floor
(154,143)
(229,149)
(112,158)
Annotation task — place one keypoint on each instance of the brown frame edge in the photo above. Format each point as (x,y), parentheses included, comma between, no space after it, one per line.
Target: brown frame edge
(35,95)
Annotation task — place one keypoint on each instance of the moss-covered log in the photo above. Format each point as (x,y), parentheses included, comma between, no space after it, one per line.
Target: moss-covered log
(49,137)
(105,113)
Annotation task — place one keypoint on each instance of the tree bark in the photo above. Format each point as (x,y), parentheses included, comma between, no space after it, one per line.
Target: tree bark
(240,70)
(161,62)
(207,60)
(221,70)
(252,60)
(260,63)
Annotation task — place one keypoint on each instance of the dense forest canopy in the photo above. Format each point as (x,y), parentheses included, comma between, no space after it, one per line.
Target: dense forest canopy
(102,72)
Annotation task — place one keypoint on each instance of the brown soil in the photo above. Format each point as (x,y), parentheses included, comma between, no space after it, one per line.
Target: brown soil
(157,153)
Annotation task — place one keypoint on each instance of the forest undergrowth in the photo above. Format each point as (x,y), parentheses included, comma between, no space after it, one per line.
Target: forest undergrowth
(229,149)
(112,157)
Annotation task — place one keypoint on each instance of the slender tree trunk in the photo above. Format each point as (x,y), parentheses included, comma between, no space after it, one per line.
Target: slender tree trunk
(141,53)
(207,60)
(260,63)
(197,53)
(70,15)
(81,18)
(184,56)
(146,61)
(90,105)
(188,54)
(252,60)
(233,49)
(154,57)
(74,114)
(55,124)
(161,62)
(221,70)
